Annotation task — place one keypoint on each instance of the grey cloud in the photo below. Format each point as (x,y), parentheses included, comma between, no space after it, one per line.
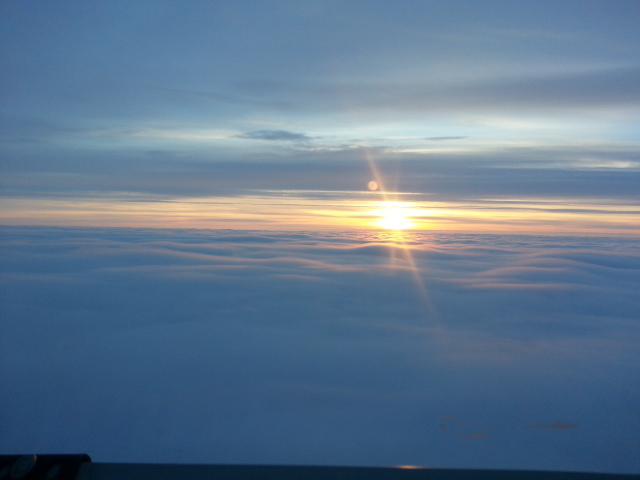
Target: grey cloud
(275,135)
(437,139)
(618,87)
(553,426)
(541,173)
(600,88)
(24,130)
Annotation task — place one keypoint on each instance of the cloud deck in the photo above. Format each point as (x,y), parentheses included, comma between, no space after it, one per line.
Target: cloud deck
(263,347)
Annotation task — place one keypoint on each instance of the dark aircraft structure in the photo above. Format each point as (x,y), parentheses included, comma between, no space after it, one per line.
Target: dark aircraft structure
(80,467)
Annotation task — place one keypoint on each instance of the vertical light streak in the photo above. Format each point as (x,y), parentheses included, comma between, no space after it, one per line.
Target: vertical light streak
(405,249)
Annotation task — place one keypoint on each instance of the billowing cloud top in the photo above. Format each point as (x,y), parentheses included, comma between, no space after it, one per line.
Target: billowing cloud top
(465,351)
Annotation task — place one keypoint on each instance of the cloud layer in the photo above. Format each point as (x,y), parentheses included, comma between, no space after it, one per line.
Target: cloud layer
(258,347)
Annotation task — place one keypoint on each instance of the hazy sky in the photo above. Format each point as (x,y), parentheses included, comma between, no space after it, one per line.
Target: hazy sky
(125,114)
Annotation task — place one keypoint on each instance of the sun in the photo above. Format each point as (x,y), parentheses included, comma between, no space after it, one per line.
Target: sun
(394,216)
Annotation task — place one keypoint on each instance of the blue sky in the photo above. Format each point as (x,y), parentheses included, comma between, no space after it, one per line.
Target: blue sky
(169,101)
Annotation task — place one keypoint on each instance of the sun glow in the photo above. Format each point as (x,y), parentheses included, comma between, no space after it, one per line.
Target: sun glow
(394,215)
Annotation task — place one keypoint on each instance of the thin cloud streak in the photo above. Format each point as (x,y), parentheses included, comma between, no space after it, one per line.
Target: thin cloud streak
(585,91)
(274,135)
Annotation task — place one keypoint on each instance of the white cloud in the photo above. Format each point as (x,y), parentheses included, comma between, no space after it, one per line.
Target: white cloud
(262,347)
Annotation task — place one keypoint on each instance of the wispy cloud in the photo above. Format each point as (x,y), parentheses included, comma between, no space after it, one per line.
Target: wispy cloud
(601,88)
(275,135)
(553,426)
(438,139)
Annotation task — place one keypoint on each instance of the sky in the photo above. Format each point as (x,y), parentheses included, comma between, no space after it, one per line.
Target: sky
(494,116)
(322,233)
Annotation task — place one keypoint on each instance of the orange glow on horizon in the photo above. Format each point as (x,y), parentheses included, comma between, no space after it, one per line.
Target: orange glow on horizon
(344,211)
(395,216)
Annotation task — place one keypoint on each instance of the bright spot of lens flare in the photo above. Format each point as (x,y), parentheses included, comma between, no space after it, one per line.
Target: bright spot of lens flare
(373,185)
(394,216)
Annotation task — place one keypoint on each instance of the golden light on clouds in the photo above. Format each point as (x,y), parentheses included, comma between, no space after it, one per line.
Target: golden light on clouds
(395,215)
(300,210)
